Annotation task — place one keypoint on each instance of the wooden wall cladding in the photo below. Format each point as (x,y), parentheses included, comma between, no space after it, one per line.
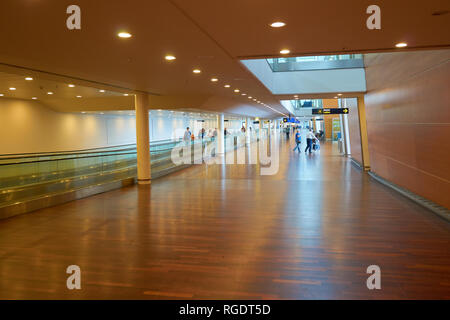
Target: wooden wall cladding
(408,121)
(353,128)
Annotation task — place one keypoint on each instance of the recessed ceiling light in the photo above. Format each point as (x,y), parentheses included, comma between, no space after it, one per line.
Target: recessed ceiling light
(296,96)
(101,91)
(71,86)
(50,93)
(196,71)
(124,34)
(339,94)
(336,97)
(12,89)
(83,111)
(214,79)
(243,94)
(78,96)
(236,90)
(285,51)
(1,94)
(125,94)
(401,45)
(34,98)
(102,113)
(250,97)
(277,24)
(29,78)
(254,99)
(227,86)
(170,57)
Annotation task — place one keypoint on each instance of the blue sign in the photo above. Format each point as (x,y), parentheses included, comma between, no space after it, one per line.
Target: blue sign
(290,120)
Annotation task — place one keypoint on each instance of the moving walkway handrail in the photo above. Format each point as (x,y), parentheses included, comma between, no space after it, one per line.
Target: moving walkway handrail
(81,151)
(65,155)
(94,154)
(59,159)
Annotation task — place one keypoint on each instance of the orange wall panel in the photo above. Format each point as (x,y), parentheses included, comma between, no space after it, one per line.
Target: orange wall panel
(408,122)
(330,103)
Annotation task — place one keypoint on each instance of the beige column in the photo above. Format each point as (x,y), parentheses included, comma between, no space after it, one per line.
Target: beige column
(220,135)
(363,132)
(344,128)
(142,139)
(260,134)
(247,130)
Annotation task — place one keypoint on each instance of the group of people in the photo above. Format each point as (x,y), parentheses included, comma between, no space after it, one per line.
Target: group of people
(189,136)
(212,134)
(311,141)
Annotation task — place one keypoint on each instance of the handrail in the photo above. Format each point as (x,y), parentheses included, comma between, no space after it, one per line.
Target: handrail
(93,154)
(51,154)
(43,154)
(108,154)
(59,159)
(62,154)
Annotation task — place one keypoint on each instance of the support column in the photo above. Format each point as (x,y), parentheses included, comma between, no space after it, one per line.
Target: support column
(344,130)
(142,139)
(260,133)
(220,135)
(247,130)
(363,132)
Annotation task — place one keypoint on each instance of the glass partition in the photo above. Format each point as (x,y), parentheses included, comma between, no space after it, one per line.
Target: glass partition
(28,176)
(342,61)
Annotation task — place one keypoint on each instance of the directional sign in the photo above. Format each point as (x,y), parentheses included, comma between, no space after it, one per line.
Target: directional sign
(331,111)
(290,120)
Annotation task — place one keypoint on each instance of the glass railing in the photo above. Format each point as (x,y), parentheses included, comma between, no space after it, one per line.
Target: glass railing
(314,103)
(27,176)
(344,61)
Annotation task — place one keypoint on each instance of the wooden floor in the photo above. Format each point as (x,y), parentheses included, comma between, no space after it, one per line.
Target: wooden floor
(226,232)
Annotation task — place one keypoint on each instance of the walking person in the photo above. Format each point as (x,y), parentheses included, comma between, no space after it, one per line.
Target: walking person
(298,141)
(187,136)
(310,138)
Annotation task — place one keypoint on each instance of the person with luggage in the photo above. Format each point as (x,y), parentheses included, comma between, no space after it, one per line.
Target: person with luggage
(316,143)
(297,141)
(310,138)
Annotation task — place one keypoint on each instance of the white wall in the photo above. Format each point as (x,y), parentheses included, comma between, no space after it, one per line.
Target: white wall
(28,127)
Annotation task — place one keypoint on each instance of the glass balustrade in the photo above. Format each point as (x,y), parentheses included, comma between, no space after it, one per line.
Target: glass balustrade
(343,61)
(27,176)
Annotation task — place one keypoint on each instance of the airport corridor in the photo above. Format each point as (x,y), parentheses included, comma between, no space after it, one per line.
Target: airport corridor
(227,232)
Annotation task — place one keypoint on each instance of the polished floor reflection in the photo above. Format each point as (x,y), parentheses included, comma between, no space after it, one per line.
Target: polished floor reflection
(227,232)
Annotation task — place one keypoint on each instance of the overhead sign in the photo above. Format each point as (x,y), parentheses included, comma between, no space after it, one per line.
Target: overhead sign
(290,120)
(331,111)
